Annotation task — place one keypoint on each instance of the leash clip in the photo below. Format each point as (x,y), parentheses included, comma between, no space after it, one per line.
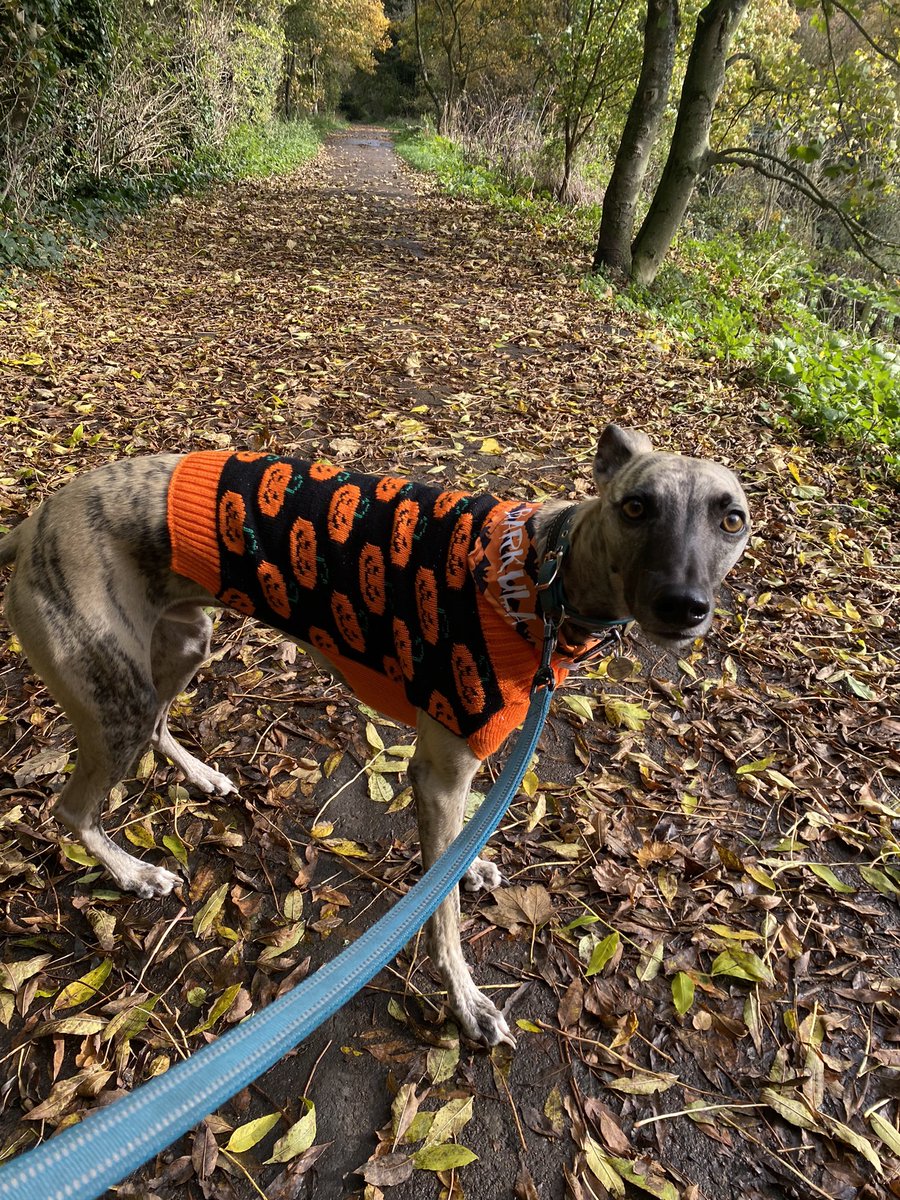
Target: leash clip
(544,677)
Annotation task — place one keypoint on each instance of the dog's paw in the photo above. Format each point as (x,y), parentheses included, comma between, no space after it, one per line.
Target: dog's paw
(480,1020)
(207,779)
(148,881)
(482,876)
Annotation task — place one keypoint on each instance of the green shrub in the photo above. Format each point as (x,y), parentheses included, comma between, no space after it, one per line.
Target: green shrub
(843,388)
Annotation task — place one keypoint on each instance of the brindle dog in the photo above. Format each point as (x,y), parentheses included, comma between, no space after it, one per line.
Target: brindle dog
(116,636)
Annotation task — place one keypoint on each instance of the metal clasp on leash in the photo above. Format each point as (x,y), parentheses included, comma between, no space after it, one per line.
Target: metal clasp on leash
(543,676)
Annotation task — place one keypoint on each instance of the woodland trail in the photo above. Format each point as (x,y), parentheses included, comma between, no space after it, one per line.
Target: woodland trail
(720,827)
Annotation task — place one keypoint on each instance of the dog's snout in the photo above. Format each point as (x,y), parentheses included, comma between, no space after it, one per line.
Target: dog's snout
(681,608)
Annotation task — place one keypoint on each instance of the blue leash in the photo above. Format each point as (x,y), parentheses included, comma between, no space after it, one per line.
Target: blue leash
(84,1160)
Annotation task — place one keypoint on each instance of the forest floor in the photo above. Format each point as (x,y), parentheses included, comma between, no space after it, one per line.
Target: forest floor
(723,827)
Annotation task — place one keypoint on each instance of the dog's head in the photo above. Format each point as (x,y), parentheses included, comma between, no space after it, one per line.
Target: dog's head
(667,529)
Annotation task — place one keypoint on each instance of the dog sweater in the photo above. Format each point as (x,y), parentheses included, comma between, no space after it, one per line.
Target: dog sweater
(421,598)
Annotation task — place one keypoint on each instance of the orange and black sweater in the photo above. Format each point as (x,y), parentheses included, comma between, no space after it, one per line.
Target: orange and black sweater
(421,598)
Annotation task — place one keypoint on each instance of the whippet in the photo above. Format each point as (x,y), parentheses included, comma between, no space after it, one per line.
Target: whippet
(428,603)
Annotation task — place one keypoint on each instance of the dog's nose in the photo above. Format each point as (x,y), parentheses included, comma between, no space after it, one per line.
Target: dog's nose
(681,608)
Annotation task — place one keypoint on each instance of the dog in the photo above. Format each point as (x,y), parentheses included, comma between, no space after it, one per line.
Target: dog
(114,573)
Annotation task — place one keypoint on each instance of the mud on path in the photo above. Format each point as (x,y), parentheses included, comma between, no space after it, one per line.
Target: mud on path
(733,827)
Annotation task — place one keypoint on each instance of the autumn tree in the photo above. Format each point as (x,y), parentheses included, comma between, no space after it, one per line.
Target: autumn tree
(586,54)
(639,136)
(689,151)
(326,41)
(799,113)
(459,45)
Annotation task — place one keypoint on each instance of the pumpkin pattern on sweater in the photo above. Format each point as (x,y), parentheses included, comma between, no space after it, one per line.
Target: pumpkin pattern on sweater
(421,598)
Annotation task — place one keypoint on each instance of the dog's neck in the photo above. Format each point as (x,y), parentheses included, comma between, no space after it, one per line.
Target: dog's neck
(586,577)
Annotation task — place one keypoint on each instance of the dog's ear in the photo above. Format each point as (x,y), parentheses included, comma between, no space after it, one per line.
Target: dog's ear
(617,446)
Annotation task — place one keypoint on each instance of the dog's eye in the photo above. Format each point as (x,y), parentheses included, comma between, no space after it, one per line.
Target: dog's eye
(733,522)
(633,508)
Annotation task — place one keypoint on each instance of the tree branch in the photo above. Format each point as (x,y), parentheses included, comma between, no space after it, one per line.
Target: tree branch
(770,166)
(858,25)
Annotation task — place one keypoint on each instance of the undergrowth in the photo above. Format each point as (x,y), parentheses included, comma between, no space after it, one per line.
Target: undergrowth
(752,301)
(93,207)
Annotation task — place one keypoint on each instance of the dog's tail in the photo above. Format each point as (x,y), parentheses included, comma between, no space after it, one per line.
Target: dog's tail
(9,547)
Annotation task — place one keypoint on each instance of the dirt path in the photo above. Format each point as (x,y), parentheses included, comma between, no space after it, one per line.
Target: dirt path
(352,311)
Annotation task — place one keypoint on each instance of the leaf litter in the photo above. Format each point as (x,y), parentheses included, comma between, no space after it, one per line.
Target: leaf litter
(698,945)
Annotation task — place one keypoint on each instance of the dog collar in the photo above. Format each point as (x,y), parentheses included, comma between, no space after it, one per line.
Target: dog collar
(550,589)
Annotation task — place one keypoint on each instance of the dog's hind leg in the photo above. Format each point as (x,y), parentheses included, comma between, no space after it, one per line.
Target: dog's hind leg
(97,668)
(112,704)
(180,645)
(441,770)
(97,769)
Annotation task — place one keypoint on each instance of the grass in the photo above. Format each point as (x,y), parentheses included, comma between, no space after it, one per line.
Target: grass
(748,301)
(89,212)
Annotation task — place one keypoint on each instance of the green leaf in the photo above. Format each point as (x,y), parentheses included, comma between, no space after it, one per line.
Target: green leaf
(219,1008)
(298,1138)
(130,1021)
(753,768)
(77,854)
(881,882)
(204,918)
(601,1167)
(246,1136)
(794,1111)
(859,688)
(176,847)
(742,964)
(682,992)
(828,876)
(602,953)
(851,1138)
(650,1182)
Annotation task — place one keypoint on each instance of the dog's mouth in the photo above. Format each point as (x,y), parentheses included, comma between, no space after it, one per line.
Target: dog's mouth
(670,639)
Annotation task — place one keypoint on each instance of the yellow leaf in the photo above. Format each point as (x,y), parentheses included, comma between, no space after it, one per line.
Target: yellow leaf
(581,706)
(298,1138)
(246,1136)
(444,1157)
(885,1131)
(346,848)
(628,716)
(85,988)
(449,1121)
(530,783)
(491,446)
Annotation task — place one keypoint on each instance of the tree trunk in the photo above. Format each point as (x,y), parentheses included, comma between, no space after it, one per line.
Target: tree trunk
(638,137)
(423,69)
(689,151)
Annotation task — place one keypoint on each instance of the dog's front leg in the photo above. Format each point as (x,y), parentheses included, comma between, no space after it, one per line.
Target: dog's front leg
(441,770)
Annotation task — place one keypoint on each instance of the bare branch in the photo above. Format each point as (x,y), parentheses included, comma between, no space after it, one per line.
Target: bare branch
(858,25)
(770,166)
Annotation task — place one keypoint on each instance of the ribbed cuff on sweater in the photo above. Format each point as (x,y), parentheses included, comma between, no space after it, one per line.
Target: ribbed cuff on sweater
(192,512)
